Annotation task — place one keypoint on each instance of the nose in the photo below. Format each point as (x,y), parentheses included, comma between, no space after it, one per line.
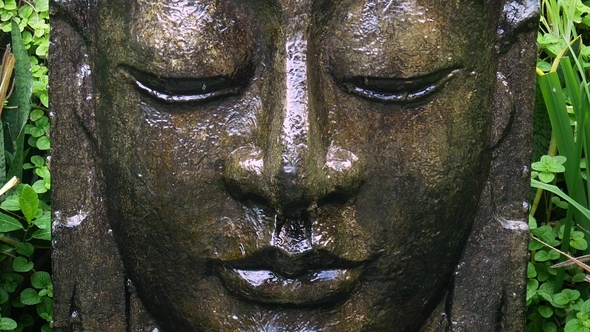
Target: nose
(295,166)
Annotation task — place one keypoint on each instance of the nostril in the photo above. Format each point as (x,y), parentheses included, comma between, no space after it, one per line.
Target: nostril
(294,210)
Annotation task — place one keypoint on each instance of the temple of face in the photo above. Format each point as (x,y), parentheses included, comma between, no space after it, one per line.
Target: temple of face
(349,165)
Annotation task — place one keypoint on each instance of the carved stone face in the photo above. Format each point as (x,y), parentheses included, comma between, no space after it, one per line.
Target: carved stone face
(293,165)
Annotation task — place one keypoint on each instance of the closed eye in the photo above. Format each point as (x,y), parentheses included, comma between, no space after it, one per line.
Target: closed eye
(186,90)
(398,90)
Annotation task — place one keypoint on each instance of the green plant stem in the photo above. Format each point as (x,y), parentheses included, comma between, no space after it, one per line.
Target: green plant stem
(7,254)
(9,241)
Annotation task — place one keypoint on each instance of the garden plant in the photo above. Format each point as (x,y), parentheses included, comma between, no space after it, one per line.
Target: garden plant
(26,289)
(557,288)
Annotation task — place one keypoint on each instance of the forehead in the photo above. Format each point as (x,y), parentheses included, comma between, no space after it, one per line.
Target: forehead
(389,33)
(189,13)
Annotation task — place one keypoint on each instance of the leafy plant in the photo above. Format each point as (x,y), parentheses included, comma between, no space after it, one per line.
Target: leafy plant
(557,292)
(560,21)
(26,289)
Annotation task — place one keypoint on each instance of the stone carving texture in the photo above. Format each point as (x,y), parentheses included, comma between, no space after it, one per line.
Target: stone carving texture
(288,165)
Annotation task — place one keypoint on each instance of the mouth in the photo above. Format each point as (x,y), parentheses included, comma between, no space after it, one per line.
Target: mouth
(275,277)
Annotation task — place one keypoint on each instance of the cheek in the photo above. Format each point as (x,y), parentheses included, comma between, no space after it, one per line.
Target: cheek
(448,132)
(427,165)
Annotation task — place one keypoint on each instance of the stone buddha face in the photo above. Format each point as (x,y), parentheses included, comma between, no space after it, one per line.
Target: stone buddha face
(294,165)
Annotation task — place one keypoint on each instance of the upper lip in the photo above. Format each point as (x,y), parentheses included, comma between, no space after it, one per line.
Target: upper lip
(292,265)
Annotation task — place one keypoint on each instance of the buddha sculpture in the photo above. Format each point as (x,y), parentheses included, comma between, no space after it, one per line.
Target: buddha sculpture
(291,165)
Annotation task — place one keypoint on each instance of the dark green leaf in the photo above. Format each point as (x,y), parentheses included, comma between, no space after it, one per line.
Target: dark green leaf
(549,327)
(40,279)
(25,248)
(8,223)
(43,143)
(535,245)
(543,274)
(29,296)
(43,222)
(561,299)
(37,161)
(544,65)
(45,309)
(17,303)
(10,5)
(10,203)
(546,177)
(35,132)
(572,294)
(42,122)
(43,172)
(7,324)
(35,114)
(3,296)
(531,288)
(579,277)
(21,264)
(542,256)
(545,311)
(42,5)
(39,187)
(553,255)
(29,203)
(574,325)
(577,235)
(26,320)
(547,234)
(531,272)
(42,234)
(579,244)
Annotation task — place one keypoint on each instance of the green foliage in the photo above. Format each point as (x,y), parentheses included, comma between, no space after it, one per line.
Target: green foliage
(547,167)
(26,290)
(560,22)
(557,289)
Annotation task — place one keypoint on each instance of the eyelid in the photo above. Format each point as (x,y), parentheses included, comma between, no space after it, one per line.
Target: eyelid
(398,90)
(184,90)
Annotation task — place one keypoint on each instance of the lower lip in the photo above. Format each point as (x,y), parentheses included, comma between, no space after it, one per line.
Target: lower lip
(315,287)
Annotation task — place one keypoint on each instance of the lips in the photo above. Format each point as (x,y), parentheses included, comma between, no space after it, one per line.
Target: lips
(315,287)
(272,276)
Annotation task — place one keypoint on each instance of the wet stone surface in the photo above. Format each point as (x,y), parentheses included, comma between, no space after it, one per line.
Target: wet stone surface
(291,165)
